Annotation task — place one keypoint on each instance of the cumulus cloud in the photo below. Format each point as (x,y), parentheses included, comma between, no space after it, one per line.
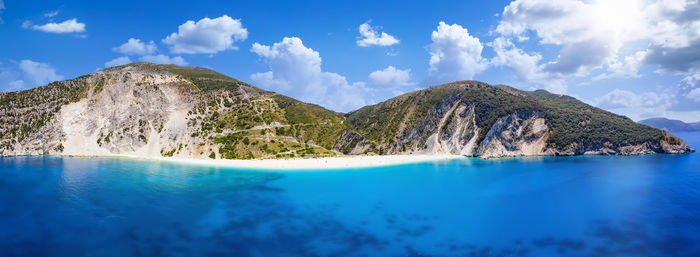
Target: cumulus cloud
(674,29)
(26,74)
(10,80)
(16,85)
(295,70)
(454,54)
(370,37)
(206,36)
(694,95)
(38,73)
(690,85)
(164,59)
(526,65)
(118,61)
(391,77)
(68,26)
(570,24)
(690,81)
(146,51)
(626,68)
(627,99)
(591,34)
(675,60)
(640,104)
(134,46)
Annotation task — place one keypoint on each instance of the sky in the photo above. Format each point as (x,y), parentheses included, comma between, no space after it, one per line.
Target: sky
(637,58)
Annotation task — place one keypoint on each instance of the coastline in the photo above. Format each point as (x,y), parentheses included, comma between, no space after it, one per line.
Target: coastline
(362,161)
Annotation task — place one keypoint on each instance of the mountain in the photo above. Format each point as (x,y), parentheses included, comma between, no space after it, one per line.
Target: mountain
(671,125)
(166,110)
(473,118)
(163,110)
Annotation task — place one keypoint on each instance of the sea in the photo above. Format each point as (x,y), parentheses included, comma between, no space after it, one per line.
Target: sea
(534,206)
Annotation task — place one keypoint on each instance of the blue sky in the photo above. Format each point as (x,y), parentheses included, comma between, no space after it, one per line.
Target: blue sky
(634,57)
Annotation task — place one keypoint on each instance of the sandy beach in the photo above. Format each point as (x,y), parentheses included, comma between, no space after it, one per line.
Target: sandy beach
(308,163)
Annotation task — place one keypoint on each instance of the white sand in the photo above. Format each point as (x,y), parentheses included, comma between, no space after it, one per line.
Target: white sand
(309,163)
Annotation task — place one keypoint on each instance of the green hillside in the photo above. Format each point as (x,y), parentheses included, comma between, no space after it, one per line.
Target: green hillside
(571,121)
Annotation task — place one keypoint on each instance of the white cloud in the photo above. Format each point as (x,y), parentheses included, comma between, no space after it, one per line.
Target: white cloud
(164,59)
(27,74)
(526,66)
(578,27)
(391,77)
(690,85)
(627,68)
(26,24)
(591,34)
(68,26)
(694,95)
(38,73)
(690,81)
(295,70)
(51,14)
(370,37)
(207,36)
(454,54)
(627,99)
(16,85)
(134,46)
(9,80)
(118,61)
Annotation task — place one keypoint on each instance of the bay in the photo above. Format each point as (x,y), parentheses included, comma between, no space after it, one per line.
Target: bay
(536,206)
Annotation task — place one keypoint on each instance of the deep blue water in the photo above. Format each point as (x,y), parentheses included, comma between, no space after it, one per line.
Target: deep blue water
(572,206)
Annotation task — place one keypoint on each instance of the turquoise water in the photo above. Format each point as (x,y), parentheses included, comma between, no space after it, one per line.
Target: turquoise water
(572,206)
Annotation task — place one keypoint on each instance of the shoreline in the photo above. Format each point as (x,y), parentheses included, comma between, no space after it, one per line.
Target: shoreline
(322,163)
(363,161)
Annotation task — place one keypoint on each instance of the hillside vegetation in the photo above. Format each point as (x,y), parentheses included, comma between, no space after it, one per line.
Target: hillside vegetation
(572,123)
(227,119)
(168,110)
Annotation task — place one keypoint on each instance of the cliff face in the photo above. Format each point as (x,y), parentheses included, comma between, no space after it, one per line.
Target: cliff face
(165,110)
(132,113)
(129,111)
(474,119)
(518,134)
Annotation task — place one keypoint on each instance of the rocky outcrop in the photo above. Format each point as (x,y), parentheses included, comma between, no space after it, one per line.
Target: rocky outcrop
(122,112)
(132,113)
(352,143)
(449,128)
(424,135)
(518,134)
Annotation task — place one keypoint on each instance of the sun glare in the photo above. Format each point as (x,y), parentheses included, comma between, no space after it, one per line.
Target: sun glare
(618,16)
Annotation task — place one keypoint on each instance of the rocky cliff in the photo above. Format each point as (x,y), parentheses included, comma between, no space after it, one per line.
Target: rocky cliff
(165,110)
(475,119)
